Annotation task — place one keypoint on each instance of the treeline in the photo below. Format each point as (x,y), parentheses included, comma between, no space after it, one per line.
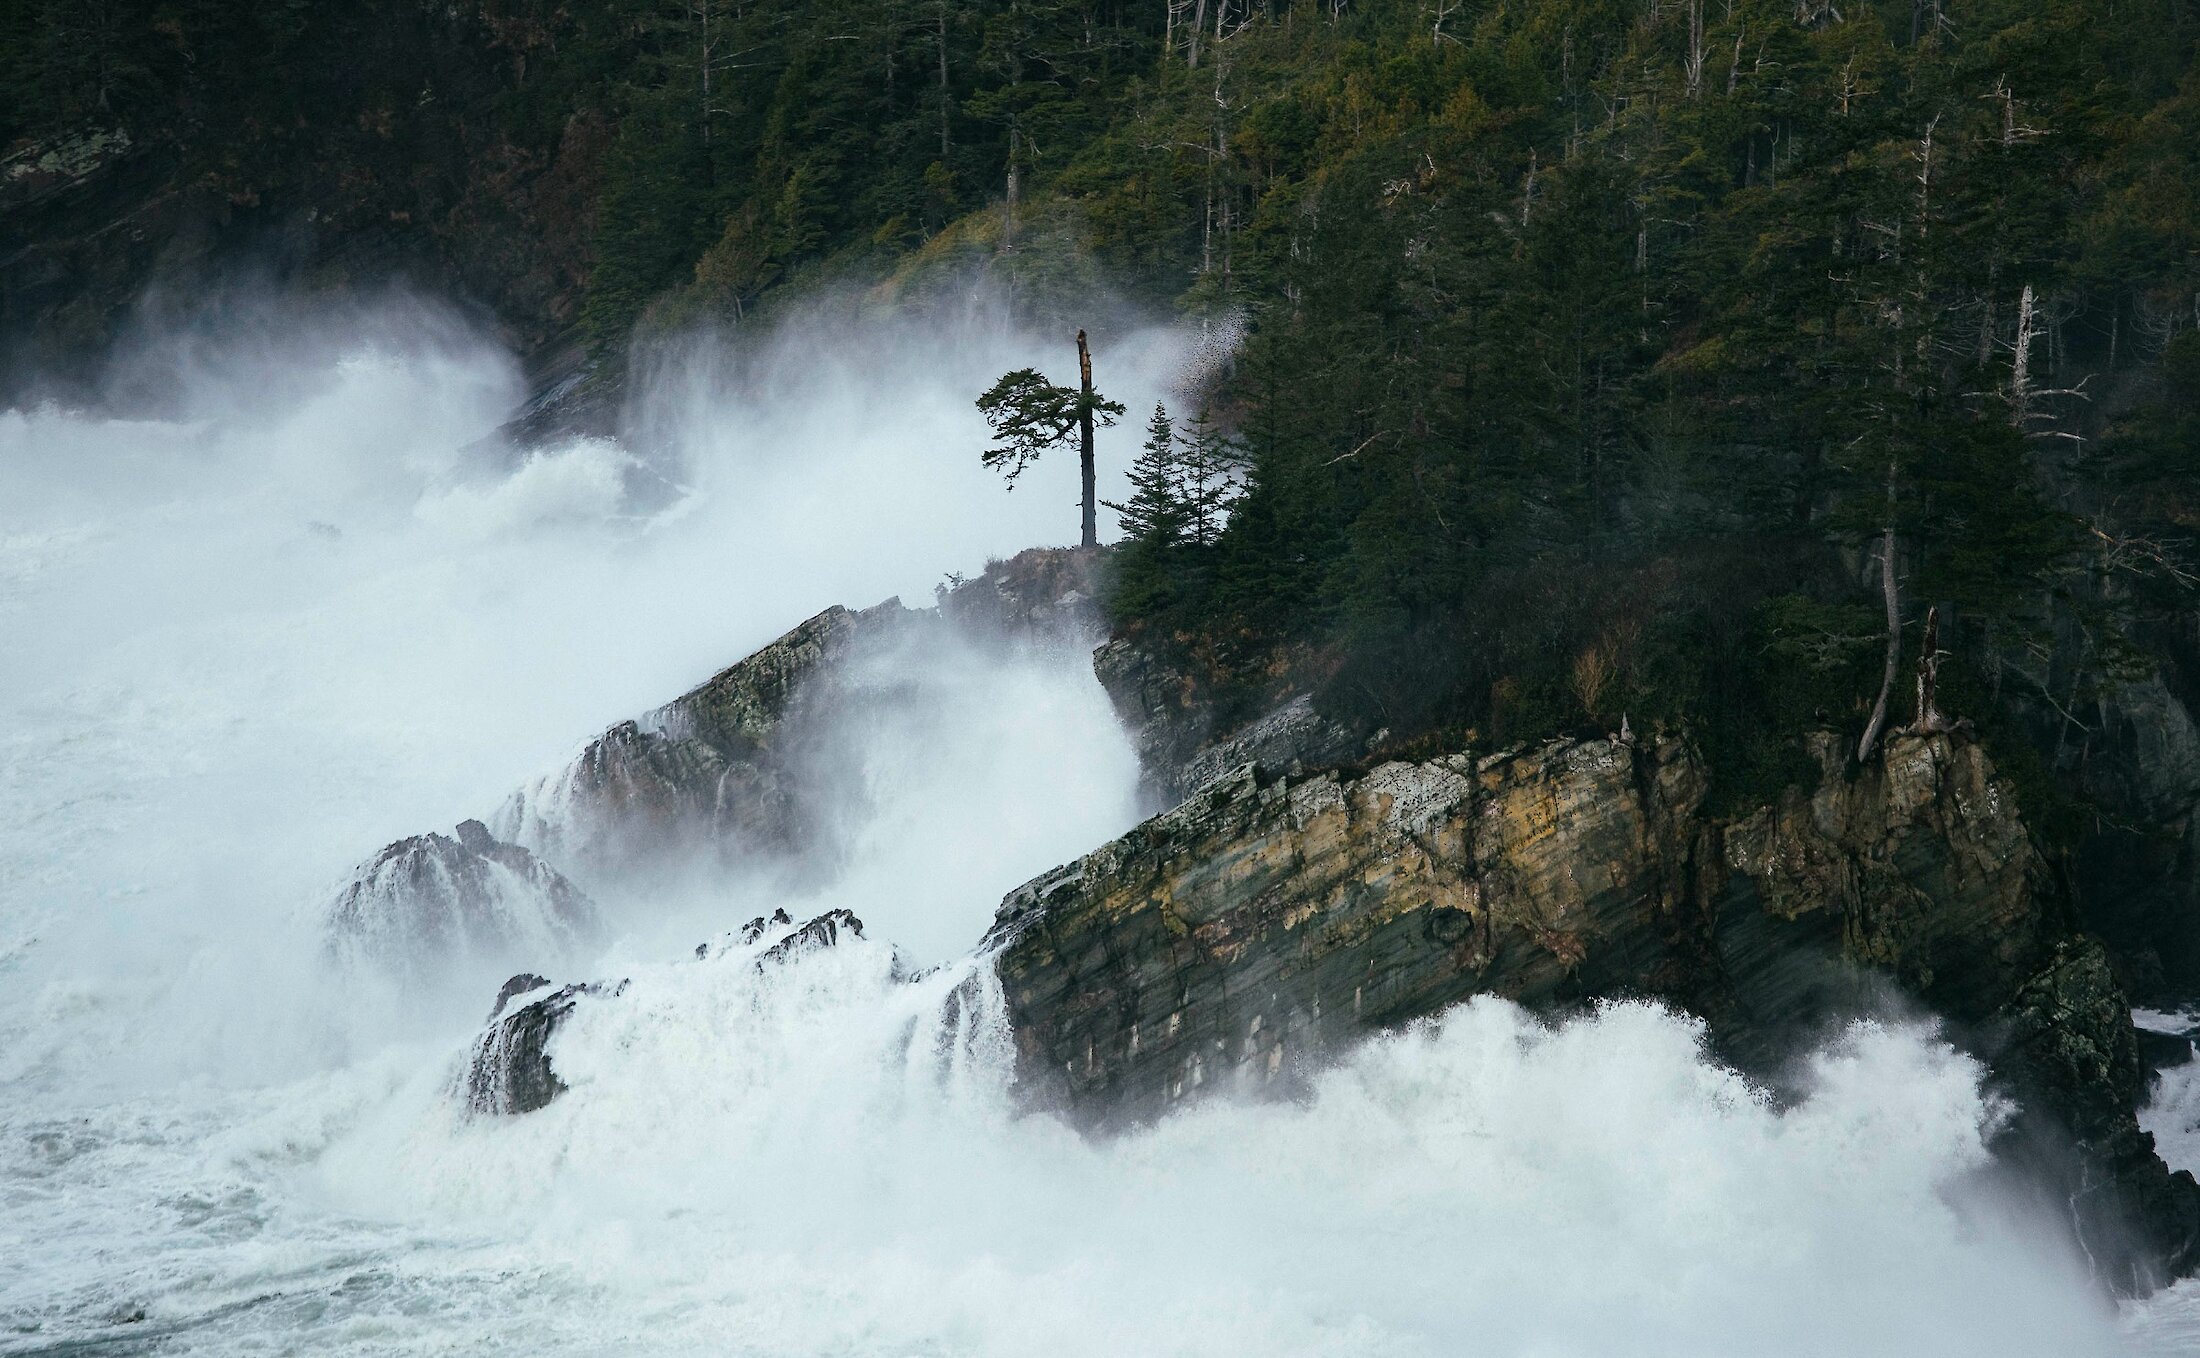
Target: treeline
(1598,352)
(1602,355)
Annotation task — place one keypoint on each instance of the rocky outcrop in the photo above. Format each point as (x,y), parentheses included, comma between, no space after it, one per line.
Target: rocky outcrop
(2071,1056)
(2137,757)
(740,773)
(711,770)
(1186,737)
(1042,596)
(431,902)
(742,768)
(1239,939)
(512,1071)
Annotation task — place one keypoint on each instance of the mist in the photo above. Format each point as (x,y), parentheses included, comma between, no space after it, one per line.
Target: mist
(319,603)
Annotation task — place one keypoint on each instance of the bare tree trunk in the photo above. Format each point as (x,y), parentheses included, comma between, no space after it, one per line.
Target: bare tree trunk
(1199,22)
(1015,190)
(1878,720)
(1695,48)
(946,99)
(1091,537)
(2020,375)
(1929,718)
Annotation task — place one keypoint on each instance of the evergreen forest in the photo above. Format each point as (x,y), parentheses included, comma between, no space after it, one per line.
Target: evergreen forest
(1597,361)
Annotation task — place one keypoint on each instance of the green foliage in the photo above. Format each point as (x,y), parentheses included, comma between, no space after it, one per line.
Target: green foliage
(1183,484)
(1157,515)
(1560,315)
(1028,415)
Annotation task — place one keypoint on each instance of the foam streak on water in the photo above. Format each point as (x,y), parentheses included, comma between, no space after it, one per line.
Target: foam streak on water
(249,645)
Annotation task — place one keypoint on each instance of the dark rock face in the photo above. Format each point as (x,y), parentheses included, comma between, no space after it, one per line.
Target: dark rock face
(511,1070)
(432,900)
(2072,1059)
(709,768)
(744,767)
(1269,920)
(1186,740)
(2139,867)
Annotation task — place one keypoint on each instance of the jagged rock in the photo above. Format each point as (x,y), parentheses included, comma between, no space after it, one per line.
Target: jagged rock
(747,933)
(744,768)
(822,932)
(1269,920)
(511,1070)
(517,986)
(1186,738)
(2139,864)
(1042,595)
(432,901)
(709,768)
(2072,1058)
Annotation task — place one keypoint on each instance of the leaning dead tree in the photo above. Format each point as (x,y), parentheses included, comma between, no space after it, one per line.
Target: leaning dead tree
(1893,667)
(1920,293)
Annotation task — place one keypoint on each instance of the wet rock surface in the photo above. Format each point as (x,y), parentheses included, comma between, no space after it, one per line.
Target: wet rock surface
(431,901)
(742,772)
(712,767)
(1240,938)
(2139,863)
(511,1070)
(745,767)
(2072,1059)
(1186,738)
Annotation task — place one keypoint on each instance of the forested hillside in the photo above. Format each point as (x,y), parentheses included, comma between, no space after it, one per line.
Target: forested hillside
(1597,352)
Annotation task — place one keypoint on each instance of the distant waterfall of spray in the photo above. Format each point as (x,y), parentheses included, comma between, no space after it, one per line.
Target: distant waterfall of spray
(318,607)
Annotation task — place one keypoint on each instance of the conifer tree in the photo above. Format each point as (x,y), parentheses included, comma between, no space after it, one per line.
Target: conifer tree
(1156,515)
(1029,415)
(1209,465)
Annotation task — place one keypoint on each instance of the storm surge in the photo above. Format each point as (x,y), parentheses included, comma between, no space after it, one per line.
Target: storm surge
(317,605)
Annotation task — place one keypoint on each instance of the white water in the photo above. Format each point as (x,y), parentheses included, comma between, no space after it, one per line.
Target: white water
(245,648)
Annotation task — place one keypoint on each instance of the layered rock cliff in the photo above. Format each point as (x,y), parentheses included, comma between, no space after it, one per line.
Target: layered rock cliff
(1239,939)
(1301,900)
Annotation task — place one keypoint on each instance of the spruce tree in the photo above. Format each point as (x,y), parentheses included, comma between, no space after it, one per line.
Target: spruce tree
(1209,468)
(1157,513)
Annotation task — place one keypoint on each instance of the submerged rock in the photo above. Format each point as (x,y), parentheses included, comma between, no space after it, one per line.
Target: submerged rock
(1268,921)
(511,1070)
(429,902)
